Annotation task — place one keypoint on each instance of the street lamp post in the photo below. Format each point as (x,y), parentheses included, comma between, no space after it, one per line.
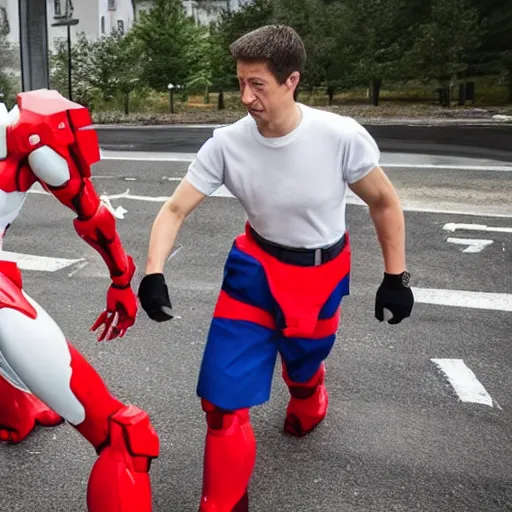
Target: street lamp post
(171,88)
(67,22)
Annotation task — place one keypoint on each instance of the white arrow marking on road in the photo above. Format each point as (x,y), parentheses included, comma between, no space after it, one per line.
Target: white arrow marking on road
(474,245)
(464,298)
(452,226)
(464,381)
(39,263)
(116,212)
(352,199)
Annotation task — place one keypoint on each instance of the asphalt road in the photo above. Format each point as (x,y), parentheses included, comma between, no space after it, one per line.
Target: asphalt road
(464,140)
(397,436)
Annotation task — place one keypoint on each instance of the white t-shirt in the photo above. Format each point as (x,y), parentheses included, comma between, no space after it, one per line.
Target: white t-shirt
(292,187)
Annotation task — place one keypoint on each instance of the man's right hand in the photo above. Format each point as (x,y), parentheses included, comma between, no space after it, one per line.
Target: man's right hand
(154,297)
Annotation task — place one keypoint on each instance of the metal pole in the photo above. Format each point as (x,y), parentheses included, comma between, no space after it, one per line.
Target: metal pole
(35,72)
(70,95)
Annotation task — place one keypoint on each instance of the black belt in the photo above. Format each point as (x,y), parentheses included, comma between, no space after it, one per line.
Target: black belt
(298,256)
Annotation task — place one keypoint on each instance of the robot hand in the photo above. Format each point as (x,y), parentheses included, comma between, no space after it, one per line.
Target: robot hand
(120,313)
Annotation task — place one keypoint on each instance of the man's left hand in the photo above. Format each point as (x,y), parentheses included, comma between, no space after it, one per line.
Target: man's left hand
(394,295)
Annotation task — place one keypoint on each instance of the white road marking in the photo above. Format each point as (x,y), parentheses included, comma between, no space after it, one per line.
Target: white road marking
(39,263)
(175,251)
(117,212)
(452,226)
(352,199)
(79,267)
(137,156)
(466,164)
(463,298)
(474,245)
(464,381)
(496,168)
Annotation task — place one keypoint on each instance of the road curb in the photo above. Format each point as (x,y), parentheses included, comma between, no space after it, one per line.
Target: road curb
(490,141)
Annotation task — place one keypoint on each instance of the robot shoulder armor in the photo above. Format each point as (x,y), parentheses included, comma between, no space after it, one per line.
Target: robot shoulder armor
(49,166)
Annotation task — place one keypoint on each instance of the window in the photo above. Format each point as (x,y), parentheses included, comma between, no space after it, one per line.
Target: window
(56,8)
(103,24)
(111,5)
(120,26)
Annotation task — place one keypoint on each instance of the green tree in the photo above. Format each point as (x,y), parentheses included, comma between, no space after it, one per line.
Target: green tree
(377,41)
(494,55)
(117,64)
(166,37)
(82,70)
(444,42)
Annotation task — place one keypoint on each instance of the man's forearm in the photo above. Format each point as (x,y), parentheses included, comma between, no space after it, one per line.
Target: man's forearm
(390,227)
(162,239)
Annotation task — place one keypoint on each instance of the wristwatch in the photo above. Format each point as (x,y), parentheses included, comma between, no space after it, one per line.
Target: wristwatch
(400,280)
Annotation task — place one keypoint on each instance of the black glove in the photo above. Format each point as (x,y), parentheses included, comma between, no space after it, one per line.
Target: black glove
(395,295)
(154,297)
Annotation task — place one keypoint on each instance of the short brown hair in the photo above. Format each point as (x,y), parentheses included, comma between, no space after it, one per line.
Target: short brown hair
(279,45)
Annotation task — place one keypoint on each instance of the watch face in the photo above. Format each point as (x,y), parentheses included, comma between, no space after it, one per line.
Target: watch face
(406,278)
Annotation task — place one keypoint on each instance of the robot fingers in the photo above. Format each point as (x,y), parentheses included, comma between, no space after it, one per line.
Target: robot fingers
(107,320)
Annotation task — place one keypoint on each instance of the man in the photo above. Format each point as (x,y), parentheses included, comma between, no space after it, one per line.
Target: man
(289,166)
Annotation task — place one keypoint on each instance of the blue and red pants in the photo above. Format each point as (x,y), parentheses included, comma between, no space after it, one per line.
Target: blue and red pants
(265,308)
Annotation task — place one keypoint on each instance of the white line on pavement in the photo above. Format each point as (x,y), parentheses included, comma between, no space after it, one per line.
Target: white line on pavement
(408,206)
(452,226)
(496,168)
(464,381)
(463,298)
(39,263)
(473,245)
(189,157)
(148,157)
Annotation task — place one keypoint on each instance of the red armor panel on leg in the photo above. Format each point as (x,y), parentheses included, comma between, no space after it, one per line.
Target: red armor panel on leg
(20,412)
(308,403)
(124,439)
(10,290)
(119,480)
(229,458)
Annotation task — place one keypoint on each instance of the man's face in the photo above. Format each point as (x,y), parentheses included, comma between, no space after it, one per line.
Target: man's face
(261,93)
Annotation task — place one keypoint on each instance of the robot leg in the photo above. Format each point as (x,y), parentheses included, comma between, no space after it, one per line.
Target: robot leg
(308,403)
(21,411)
(37,351)
(229,458)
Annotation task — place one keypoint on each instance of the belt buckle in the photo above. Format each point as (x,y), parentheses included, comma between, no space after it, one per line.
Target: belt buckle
(318,257)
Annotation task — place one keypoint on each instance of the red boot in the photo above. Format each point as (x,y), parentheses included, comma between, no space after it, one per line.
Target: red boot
(230,454)
(21,412)
(308,403)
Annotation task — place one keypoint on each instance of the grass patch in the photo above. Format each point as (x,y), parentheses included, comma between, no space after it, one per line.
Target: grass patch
(397,100)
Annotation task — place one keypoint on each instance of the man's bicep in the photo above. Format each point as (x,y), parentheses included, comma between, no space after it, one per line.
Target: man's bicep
(374,188)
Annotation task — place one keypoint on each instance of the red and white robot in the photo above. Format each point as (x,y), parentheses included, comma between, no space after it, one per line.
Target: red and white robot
(48,139)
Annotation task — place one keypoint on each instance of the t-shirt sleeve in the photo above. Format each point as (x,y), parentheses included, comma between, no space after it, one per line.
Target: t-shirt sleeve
(361,153)
(206,172)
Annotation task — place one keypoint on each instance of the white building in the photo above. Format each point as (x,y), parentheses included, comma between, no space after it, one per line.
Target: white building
(95,18)
(100,17)
(202,11)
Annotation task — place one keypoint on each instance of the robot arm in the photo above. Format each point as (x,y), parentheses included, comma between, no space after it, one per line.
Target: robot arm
(60,154)
(97,226)
(94,222)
